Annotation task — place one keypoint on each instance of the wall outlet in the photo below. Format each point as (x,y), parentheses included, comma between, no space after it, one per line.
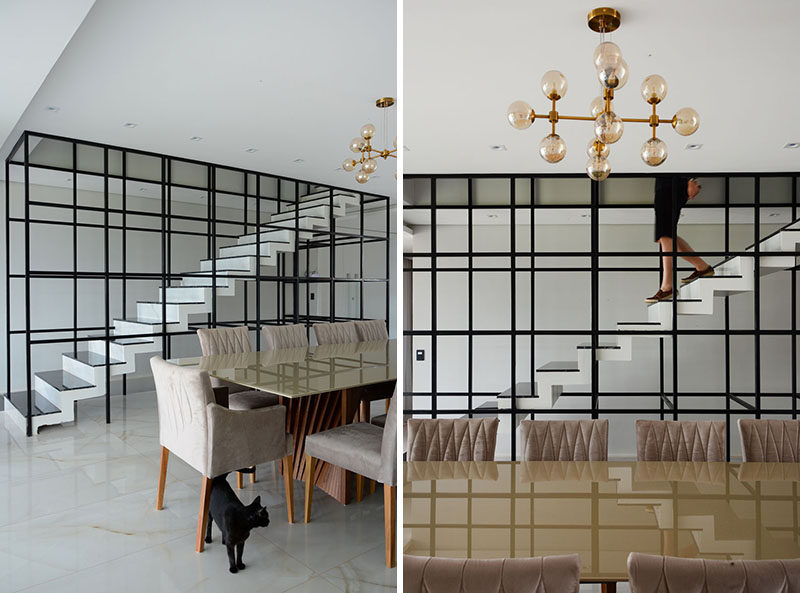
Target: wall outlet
(420,355)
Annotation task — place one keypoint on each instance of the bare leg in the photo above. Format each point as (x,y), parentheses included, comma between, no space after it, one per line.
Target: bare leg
(666,245)
(698,262)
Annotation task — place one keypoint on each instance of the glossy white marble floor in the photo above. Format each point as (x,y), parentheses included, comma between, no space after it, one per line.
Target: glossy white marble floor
(77,514)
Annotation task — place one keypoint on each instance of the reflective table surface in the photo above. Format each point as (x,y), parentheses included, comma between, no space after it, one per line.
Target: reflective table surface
(298,372)
(602,511)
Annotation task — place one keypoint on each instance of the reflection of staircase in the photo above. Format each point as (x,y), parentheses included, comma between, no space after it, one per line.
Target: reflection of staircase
(732,276)
(83,373)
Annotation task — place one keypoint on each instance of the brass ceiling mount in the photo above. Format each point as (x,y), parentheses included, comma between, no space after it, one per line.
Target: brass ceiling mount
(604,20)
(384,102)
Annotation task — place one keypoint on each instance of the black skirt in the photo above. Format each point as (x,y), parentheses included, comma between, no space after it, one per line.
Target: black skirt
(666,217)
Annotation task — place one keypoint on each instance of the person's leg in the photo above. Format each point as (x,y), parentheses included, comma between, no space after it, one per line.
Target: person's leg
(698,262)
(666,277)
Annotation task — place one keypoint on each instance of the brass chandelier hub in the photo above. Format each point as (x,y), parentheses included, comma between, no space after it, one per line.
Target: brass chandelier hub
(612,73)
(362,146)
(604,20)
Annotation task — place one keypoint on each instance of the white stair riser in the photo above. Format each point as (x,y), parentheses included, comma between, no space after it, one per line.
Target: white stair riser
(322,211)
(185,294)
(339,200)
(285,236)
(131,328)
(267,249)
(222,283)
(239,264)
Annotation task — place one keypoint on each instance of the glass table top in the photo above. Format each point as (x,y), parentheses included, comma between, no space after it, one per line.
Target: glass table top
(298,372)
(601,511)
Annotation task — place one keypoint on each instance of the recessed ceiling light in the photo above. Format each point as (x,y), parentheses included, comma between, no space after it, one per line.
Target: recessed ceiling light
(52,108)
(406,148)
(196,138)
(251,150)
(338,169)
(694,146)
(773,214)
(497,147)
(298,161)
(491,216)
(142,189)
(792,145)
(129,124)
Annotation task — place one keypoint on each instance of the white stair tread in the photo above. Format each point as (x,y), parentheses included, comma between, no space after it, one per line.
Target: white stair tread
(559,366)
(91,358)
(600,346)
(40,404)
(61,380)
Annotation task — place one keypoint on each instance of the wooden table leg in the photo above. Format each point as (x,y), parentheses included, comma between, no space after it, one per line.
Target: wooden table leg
(608,588)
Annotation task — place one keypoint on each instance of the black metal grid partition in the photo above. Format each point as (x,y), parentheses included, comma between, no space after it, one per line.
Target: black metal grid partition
(500,271)
(92,229)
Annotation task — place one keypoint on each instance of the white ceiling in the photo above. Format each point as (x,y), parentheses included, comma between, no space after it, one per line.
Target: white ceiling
(295,80)
(33,33)
(466,61)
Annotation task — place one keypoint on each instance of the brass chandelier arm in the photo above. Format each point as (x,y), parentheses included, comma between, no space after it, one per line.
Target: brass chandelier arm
(636,120)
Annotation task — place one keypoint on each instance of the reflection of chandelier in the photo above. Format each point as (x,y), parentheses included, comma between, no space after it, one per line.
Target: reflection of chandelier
(613,74)
(362,145)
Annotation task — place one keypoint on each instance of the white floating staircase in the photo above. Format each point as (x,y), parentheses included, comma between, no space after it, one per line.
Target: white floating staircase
(732,276)
(83,374)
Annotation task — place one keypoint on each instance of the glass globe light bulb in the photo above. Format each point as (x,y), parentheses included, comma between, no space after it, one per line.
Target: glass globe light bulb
(608,127)
(519,115)
(370,165)
(607,53)
(349,165)
(598,168)
(654,152)
(357,144)
(654,89)
(554,84)
(686,121)
(613,76)
(594,144)
(597,106)
(362,176)
(552,148)
(367,131)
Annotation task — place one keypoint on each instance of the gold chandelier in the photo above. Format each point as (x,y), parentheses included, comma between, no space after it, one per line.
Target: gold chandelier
(612,71)
(362,145)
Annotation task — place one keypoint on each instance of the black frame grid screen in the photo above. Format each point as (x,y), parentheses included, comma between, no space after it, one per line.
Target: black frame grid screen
(91,229)
(512,272)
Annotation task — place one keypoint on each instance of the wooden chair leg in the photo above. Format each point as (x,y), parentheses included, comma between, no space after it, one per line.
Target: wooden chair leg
(359,487)
(363,411)
(372,486)
(239,483)
(202,516)
(162,478)
(288,478)
(608,587)
(389,523)
(309,485)
(388,402)
(253,475)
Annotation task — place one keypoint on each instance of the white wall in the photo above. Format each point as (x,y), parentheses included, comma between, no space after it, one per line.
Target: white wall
(562,302)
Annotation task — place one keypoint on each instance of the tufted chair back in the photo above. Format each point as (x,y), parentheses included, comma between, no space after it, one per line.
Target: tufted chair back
(548,574)
(336,333)
(564,440)
(224,340)
(276,337)
(663,440)
(459,439)
(665,574)
(770,440)
(183,394)
(371,330)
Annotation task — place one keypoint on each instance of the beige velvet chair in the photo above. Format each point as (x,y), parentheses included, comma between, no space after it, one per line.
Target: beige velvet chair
(371,330)
(276,337)
(336,333)
(212,439)
(367,451)
(663,440)
(564,440)
(459,439)
(548,574)
(666,574)
(770,440)
(234,340)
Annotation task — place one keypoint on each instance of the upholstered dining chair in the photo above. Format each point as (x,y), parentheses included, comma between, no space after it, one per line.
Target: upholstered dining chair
(367,451)
(543,574)
(770,440)
(564,440)
(234,340)
(459,439)
(371,330)
(212,439)
(336,333)
(275,337)
(666,574)
(665,440)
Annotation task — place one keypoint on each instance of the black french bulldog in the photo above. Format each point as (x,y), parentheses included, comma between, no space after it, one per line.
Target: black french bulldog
(234,519)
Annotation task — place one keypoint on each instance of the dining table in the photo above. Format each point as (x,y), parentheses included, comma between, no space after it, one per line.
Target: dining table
(601,511)
(321,387)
